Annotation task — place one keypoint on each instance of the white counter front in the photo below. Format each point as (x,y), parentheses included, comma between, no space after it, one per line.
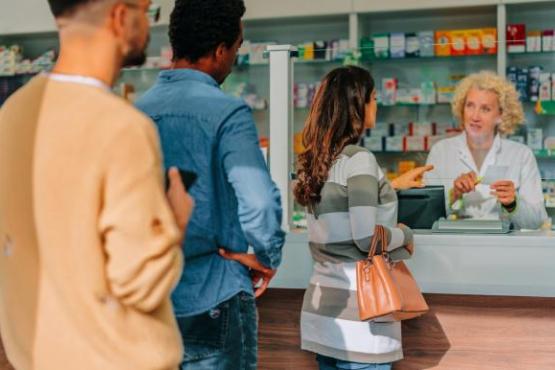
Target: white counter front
(518,264)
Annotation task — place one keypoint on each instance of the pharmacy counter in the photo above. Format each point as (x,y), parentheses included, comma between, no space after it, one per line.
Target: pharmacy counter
(519,263)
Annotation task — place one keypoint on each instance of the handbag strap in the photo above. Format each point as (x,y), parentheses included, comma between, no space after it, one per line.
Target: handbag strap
(383,239)
(378,237)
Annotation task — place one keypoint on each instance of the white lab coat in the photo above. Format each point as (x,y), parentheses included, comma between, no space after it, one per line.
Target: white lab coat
(451,158)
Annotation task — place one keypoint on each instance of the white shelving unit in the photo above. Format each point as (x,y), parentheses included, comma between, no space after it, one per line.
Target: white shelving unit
(297,21)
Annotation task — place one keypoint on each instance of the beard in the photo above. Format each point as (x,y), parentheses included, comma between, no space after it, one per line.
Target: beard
(137,54)
(134,59)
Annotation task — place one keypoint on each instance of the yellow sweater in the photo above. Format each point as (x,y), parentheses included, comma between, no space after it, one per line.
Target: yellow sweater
(88,244)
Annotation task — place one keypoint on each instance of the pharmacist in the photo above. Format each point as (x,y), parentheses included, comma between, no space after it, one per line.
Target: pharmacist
(485,175)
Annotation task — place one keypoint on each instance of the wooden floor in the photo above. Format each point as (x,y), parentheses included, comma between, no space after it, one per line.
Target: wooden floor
(459,333)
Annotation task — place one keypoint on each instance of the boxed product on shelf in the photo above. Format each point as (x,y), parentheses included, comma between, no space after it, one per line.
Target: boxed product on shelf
(381,129)
(534,138)
(549,143)
(443,40)
(9,58)
(374,143)
(300,92)
(243,53)
(512,74)
(415,143)
(516,38)
(534,73)
(409,96)
(256,54)
(442,128)
(553,86)
(398,129)
(426,43)
(445,94)
(473,40)
(308,50)
(458,42)
(412,49)
(545,86)
(548,40)
(428,92)
(517,139)
(533,41)
(522,83)
(397,45)
(343,49)
(366,48)
(381,45)
(489,41)
(320,48)
(389,91)
(394,144)
(422,128)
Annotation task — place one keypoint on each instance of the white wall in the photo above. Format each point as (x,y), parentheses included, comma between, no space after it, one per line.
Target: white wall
(25,16)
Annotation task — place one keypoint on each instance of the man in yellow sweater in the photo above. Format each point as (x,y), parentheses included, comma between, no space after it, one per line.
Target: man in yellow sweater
(89,244)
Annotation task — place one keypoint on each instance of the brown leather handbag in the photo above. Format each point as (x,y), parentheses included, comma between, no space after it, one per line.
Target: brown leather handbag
(386,290)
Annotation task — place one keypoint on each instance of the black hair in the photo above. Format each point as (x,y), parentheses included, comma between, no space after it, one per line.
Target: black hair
(197,27)
(63,7)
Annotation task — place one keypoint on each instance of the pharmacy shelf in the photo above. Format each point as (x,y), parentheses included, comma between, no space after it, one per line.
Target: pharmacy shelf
(434,58)
(535,53)
(412,105)
(544,154)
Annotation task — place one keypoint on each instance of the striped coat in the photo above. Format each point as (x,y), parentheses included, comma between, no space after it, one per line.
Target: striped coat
(355,197)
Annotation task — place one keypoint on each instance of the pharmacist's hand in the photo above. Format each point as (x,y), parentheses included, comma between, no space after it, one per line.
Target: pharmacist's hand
(411,179)
(260,274)
(180,201)
(465,183)
(504,191)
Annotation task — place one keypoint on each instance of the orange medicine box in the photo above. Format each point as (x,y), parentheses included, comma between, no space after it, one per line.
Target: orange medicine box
(458,42)
(473,40)
(442,43)
(489,41)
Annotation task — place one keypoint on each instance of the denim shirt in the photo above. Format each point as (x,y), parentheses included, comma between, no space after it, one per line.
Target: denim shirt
(236,202)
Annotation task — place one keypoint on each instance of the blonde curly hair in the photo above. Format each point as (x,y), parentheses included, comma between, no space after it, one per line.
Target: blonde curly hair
(512,114)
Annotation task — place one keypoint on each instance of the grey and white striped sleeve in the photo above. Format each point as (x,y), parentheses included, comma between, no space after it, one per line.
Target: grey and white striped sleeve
(363,199)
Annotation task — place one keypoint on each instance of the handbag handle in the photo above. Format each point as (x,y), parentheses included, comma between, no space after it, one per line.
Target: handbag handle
(378,237)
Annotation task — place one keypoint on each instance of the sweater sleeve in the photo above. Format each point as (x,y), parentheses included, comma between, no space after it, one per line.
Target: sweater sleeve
(143,259)
(363,199)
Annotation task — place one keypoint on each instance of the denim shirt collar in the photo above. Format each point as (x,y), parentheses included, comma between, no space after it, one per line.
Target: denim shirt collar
(183,74)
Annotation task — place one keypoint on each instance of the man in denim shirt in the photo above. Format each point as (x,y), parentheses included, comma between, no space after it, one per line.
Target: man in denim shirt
(237,204)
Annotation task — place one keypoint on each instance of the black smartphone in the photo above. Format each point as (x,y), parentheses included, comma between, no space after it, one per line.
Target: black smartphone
(188,178)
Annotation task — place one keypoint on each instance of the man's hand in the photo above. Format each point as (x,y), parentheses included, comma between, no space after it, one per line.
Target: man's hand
(257,270)
(411,179)
(180,201)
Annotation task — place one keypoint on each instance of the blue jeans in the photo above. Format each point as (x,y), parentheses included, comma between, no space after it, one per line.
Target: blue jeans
(223,338)
(328,363)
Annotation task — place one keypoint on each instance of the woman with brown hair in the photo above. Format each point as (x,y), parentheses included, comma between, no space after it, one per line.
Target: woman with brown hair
(346,195)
